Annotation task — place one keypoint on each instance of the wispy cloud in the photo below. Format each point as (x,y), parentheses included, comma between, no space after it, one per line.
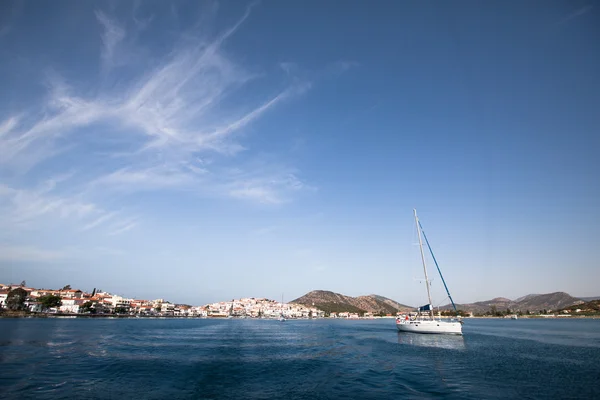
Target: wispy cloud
(258,192)
(155,177)
(577,13)
(140,22)
(345,65)
(112,35)
(214,136)
(28,141)
(123,226)
(100,220)
(171,123)
(276,188)
(289,68)
(47,206)
(169,110)
(8,125)
(24,206)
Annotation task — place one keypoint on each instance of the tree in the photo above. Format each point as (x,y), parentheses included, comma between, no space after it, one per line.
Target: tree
(66,287)
(88,307)
(310,314)
(15,300)
(49,301)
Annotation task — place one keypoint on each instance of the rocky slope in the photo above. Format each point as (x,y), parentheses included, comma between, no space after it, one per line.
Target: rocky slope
(394,304)
(336,302)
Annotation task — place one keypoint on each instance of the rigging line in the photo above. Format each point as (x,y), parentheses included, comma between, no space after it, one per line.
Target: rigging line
(437,266)
(440,303)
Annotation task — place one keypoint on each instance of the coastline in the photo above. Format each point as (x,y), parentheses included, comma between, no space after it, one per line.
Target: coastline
(26,314)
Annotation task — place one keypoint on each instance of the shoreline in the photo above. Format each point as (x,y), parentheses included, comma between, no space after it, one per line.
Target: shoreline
(23,314)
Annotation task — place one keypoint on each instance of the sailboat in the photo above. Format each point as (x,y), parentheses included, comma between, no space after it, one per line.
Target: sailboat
(424,321)
(281,317)
(230,314)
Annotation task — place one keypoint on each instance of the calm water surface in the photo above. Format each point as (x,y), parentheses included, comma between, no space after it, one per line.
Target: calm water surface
(319,359)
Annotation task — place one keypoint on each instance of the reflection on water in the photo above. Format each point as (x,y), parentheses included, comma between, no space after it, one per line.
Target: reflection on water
(454,342)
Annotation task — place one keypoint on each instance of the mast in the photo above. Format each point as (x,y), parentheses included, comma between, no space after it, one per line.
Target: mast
(437,266)
(424,265)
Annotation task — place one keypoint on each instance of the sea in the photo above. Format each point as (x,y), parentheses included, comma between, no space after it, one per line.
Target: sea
(139,358)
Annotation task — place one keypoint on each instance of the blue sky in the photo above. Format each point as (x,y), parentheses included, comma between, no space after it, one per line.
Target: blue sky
(201,151)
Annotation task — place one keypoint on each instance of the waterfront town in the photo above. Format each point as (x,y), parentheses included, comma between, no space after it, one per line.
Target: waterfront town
(68,301)
(21,300)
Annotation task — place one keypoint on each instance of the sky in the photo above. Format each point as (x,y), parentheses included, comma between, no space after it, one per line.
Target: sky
(204,151)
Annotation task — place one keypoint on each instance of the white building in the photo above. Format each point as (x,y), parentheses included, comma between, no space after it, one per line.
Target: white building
(71,305)
(3,296)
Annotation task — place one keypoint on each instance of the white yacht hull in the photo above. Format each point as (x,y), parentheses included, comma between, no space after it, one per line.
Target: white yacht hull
(429,326)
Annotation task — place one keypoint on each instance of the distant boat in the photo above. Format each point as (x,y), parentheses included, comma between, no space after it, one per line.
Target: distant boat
(424,320)
(514,316)
(230,314)
(281,316)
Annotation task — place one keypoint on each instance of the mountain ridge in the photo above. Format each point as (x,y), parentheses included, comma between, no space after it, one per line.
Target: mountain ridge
(329,301)
(530,302)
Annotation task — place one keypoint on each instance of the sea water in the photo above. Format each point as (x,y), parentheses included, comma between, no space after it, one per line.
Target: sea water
(297,359)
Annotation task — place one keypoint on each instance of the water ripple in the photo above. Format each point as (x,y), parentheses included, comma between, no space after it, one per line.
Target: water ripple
(233,359)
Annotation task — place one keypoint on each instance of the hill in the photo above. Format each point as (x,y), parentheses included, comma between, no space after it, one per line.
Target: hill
(550,301)
(526,297)
(336,302)
(586,299)
(590,307)
(532,302)
(395,304)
